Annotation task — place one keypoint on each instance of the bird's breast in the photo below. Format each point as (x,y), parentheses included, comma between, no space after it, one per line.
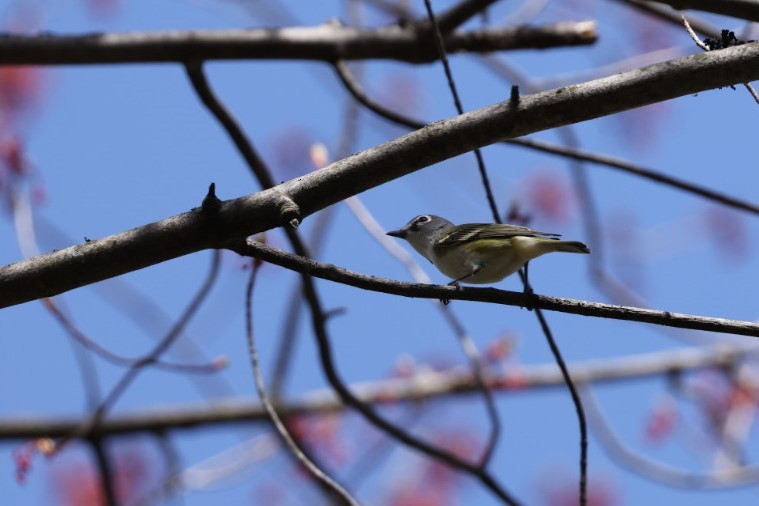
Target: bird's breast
(492,260)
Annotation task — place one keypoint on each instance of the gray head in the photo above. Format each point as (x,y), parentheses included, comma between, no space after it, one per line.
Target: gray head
(420,231)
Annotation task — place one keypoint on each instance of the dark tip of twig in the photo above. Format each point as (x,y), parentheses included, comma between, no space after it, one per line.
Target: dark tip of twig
(514,97)
(211,203)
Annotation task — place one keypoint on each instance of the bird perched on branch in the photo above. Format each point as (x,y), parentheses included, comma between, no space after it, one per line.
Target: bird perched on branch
(479,253)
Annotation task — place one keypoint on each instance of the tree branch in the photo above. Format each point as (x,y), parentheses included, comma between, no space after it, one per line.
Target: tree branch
(358,93)
(105,470)
(644,172)
(425,385)
(327,42)
(495,296)
(670,15)
(53,273)
(333,490)
(741,9)
(687,478)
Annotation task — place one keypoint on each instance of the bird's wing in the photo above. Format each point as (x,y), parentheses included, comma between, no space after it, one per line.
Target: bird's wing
(475,231)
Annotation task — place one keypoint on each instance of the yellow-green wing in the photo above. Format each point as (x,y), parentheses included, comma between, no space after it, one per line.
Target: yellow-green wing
(476,231)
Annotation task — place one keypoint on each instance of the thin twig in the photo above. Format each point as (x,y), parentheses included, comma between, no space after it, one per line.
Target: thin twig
(460,109)
(93,346)
(693,34)
(741,9)
(661,473)
(147,315)
(576,401)
(98,414)
(637,170)
(672,16)
(106,471)
(26,236)
(340,275)
(459,14)
(200,83)
(752,91)
(286,342)
(580,175)
(538,313)
(317,473)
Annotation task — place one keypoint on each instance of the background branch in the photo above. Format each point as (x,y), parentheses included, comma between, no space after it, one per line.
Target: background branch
(328,42)
(741,9)
(424,385)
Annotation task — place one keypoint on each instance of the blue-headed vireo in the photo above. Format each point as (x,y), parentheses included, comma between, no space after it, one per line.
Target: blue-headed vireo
(479,252)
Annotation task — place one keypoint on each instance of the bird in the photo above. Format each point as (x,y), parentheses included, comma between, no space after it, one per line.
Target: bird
(479,253)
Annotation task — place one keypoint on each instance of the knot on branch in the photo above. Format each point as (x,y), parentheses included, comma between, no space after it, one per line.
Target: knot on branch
(288,210)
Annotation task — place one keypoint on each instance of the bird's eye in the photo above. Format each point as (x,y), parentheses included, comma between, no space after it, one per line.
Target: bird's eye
(423,219)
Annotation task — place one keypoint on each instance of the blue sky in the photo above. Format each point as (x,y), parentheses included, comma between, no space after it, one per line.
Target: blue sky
(116,147)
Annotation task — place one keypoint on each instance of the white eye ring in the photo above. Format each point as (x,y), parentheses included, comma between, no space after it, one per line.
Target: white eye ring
(423,219)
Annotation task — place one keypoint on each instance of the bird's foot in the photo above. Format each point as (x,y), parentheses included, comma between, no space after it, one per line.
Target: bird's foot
(456,283)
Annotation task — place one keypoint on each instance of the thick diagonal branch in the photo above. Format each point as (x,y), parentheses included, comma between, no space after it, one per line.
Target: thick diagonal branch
(90,262)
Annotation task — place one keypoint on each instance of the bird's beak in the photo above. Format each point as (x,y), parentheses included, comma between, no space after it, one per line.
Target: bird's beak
(398,233)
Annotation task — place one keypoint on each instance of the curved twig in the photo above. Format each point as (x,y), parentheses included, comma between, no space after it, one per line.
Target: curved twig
(596,309)
(317,473)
